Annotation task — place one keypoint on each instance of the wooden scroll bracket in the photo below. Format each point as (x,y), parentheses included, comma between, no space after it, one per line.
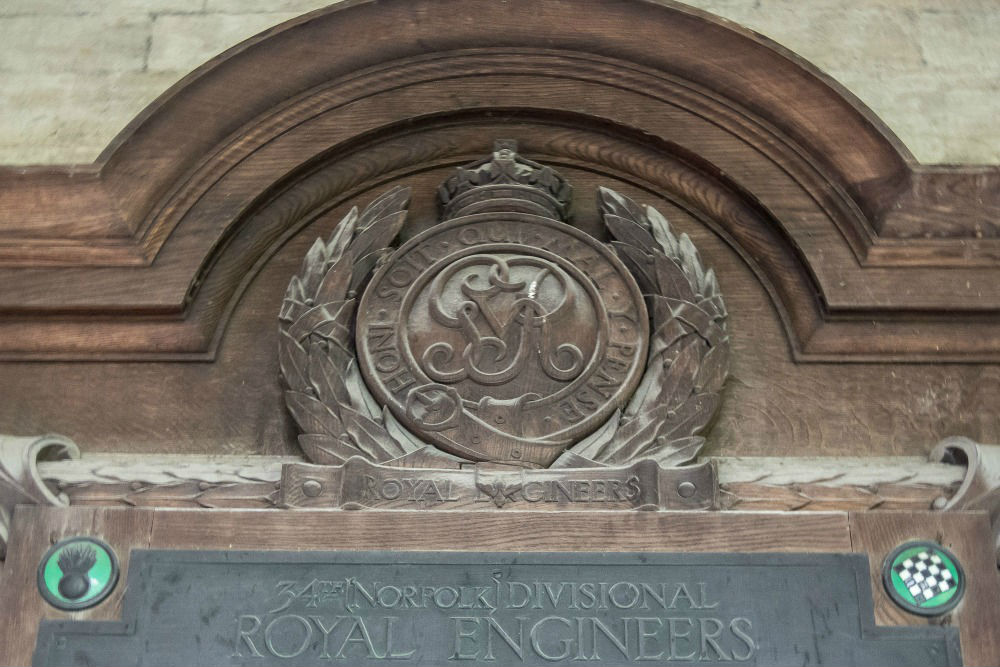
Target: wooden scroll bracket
(20,481)
(980,489)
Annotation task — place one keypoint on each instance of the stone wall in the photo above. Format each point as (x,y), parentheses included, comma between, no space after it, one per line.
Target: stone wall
(74,72)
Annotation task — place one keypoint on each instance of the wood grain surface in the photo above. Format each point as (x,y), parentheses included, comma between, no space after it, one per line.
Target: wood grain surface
(771,405)
(35,529)
(139,295)
(800,484)
(965,534)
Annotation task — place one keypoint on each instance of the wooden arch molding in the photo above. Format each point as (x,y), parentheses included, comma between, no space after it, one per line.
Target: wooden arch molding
(868,256)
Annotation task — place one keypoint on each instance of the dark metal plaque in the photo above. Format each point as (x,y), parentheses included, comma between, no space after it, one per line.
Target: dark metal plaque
(446,608)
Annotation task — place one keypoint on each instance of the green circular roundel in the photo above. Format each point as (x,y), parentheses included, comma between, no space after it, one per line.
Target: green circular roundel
(923,578)
(77,573)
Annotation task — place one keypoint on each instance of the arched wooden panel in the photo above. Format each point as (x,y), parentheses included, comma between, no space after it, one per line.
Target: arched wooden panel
(145,287)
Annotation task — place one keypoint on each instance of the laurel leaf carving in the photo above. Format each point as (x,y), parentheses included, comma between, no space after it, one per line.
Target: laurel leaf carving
(677,452)
(341,236)
(399,432)
(647,390)
(710,286)
(388,204)
(613,203)
(691,416)
(292,357)
(358,390)
(671,279)
(688,350)
(312,267)
(635,435)
(663,339)
(629,232)
(379,234)
(325,376)
(691,263)
(370,437)
(640,265)
(592,447)
(325,449)
(330,321)
(335,283)
(312,415)
(712,373)
(326,395)
(364,267)
(714,305)
(294,302)
(662,233)
(680,373)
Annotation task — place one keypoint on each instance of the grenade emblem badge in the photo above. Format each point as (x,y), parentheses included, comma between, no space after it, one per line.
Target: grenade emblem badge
(77,573)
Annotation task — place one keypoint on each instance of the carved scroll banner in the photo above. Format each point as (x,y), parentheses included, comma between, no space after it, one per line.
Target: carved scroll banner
(360,484)
(447,608)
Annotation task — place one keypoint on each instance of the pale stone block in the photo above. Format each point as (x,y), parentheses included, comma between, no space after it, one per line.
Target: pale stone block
(967,40)
(106,7)
(958,123)
(73,115)
(731,10)
(849,36)
(828,33)
(43,154)
(71,70)
(254,6)
(186,41)
(74,44)
(940,118)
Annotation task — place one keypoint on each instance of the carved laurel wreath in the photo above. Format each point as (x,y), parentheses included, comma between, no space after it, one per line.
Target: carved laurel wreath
(676,398)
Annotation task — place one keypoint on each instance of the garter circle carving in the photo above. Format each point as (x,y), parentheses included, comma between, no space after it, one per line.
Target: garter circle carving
(503,333)
(540,329)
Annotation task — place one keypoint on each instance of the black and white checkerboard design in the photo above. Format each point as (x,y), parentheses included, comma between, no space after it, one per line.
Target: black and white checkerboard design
(925,576)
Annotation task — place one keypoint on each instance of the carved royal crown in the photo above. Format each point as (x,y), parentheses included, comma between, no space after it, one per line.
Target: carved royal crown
(505,182)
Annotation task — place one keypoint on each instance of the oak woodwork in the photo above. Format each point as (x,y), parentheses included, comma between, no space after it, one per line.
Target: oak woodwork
(968,536)
(964,533)
(745,484)
(136,294)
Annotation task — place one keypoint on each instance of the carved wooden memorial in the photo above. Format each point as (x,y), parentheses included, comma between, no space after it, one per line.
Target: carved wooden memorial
(502,335)
(471,333)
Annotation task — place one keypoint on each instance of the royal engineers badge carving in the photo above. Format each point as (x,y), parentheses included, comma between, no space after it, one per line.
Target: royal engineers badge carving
(502,336)
(502,341)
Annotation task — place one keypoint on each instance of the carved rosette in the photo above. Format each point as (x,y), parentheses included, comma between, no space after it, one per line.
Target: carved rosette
(503,334)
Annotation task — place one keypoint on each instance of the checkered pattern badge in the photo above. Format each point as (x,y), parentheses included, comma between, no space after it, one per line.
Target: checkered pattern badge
(923,578)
